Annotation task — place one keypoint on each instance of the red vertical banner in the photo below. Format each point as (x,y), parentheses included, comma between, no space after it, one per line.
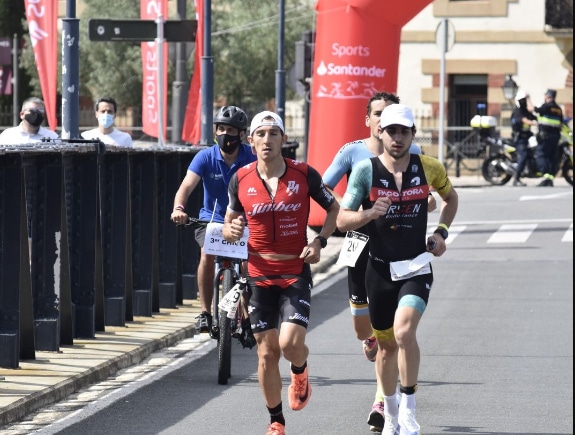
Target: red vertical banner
(42,18)
(351,63)
(151,10)
(192,128)
(5,80)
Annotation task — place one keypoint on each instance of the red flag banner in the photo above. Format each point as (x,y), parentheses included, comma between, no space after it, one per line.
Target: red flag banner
(192,128)
(42,18)
(350,65)
(5,80)
(151,10)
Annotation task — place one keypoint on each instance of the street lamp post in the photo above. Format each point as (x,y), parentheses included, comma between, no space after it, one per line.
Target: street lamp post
(509,89)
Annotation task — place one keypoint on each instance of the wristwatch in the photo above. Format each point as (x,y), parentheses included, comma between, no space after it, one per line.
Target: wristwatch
(322,241)
(442,232)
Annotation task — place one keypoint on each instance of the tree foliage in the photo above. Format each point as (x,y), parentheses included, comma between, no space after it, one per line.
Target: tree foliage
(111,68)
(245,47)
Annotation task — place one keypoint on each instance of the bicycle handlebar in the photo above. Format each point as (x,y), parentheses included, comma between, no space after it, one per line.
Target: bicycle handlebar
(196,223)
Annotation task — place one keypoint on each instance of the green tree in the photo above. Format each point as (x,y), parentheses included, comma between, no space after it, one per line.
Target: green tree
(245,47)
(111,68)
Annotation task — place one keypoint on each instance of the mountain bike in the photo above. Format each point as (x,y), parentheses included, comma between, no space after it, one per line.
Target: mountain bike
(230,320)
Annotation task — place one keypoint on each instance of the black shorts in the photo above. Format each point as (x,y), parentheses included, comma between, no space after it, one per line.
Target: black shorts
(200,235)
(385,294)
(271,305)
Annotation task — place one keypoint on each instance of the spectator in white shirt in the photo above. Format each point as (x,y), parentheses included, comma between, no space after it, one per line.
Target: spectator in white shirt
(106,109)
(30,129)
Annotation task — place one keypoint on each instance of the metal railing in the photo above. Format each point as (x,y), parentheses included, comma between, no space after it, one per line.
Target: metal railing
(86,240)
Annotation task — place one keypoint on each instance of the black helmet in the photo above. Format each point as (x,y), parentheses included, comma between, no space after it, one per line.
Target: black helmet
(232,115)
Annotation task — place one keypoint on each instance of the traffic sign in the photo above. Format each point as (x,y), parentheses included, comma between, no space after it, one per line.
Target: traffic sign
(445,35)
(141,30)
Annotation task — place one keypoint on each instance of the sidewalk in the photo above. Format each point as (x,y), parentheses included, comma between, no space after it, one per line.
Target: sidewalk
(53,376)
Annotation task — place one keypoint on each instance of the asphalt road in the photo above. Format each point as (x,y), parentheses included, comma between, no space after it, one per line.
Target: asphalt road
(496,343)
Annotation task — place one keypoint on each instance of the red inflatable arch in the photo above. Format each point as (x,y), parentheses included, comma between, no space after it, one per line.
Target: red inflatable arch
(356,54)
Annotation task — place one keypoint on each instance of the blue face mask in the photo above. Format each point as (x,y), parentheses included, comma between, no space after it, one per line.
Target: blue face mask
(105,120)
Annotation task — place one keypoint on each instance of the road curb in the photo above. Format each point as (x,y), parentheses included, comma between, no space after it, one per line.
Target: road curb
(60,391)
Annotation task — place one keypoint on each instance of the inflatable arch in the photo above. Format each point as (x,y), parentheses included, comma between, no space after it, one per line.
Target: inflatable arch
(356,54)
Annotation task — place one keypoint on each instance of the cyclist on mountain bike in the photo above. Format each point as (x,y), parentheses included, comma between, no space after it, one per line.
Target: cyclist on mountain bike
(275,193)
(214,166)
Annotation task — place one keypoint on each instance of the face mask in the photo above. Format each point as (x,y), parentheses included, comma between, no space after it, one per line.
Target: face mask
(34,118)
(228,144)
(105,120)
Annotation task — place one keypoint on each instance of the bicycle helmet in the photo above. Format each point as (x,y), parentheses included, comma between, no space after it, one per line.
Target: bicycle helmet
(232,115)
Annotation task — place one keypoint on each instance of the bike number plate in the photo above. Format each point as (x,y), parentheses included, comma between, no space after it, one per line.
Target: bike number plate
(231,300)
(215,244)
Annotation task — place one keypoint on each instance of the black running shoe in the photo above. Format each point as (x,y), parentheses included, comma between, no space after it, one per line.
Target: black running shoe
(547,182)
(376,419)
(204,323)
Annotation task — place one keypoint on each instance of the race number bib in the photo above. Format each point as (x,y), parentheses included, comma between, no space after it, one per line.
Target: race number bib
(351,248)
(215,244)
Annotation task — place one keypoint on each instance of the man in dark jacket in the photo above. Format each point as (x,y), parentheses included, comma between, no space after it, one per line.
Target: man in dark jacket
(522,120)
(550,119)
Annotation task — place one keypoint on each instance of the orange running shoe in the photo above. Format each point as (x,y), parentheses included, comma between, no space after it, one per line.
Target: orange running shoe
(299,391)
(370,348)
(276,429)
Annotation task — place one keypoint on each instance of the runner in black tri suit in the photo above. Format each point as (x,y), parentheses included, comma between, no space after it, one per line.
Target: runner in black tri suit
(397,184)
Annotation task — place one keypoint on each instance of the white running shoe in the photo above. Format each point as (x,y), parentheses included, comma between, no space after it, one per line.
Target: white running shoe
(391,425)
(407,423)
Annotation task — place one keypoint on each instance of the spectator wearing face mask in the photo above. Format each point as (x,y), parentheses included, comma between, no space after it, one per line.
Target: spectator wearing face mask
(30,129)
(106,109)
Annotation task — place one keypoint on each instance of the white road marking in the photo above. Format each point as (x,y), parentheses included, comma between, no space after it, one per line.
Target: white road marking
(512,233)
(568,236)
(545,197)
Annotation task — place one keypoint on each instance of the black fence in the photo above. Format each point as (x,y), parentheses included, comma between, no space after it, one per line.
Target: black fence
(86,240)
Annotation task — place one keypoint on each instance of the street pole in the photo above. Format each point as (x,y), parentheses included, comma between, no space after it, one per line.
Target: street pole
(15,82)
(442,90)
(70,73)
(160,56)
(280,73)
(207,87)
(180,85)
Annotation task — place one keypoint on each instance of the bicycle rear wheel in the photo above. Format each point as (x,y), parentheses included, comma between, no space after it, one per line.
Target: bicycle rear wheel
(225,333)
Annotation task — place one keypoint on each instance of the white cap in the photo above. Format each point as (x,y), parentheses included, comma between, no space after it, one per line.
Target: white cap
(396,114)
(260,120)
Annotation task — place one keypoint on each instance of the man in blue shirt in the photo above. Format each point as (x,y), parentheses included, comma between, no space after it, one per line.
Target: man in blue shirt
(214,166)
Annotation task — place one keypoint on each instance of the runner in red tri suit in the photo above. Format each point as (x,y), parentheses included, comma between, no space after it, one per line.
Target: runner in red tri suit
(274,193)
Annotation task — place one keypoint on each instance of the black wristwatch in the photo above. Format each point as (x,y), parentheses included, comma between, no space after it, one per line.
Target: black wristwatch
(322,241)
(442,232)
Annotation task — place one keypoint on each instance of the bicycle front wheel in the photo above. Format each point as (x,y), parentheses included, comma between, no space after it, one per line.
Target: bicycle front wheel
(225,334)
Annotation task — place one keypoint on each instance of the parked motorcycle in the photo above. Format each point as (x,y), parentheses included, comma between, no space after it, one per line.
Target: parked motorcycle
(500,165)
